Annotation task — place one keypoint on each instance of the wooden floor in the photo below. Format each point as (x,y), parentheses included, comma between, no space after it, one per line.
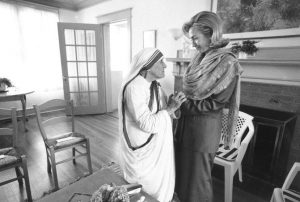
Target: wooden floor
(103,133)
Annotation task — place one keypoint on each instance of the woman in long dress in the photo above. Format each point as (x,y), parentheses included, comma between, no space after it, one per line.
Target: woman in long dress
(147,151)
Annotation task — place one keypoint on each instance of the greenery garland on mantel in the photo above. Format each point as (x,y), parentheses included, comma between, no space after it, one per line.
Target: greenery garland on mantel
(247,47)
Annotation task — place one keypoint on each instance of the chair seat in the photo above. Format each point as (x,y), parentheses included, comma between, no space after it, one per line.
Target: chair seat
(11,156)
(291,195)
(66,140)
(228,155)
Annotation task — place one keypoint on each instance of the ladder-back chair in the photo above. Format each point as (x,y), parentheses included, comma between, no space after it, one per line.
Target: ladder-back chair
(13,157)
(69,139)
(231,159)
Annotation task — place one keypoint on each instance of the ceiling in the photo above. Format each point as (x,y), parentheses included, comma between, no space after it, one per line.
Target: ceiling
(67,4)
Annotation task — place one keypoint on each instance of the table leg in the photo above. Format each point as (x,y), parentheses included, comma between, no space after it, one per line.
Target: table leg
(23,100)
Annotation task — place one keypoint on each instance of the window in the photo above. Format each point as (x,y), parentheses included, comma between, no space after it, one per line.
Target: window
(29,48)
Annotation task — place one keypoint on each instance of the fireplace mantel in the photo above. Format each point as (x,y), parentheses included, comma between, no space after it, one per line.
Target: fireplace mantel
(275,71)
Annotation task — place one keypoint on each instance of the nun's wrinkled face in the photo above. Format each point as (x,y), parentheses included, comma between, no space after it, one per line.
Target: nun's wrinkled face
(199,40)
(158,69)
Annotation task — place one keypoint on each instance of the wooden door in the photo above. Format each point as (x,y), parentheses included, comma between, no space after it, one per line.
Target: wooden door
(82,60)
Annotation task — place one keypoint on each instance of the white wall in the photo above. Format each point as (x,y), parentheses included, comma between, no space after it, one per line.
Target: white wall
(163,15)
(160,15)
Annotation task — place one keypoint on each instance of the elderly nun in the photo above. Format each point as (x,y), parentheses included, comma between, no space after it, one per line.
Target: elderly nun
(147,152)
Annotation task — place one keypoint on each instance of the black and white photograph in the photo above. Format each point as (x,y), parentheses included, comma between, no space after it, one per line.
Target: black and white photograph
(150,101)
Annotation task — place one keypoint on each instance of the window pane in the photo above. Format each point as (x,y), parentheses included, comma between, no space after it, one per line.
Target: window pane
(92,68)
(80,99)
(70,53)
(72,70)
(94,99)
(90,37)
(91,52)
(73,84)
(81,53)
(69,36)
(80,38)
(93,84)
(83,84)
(84,99)
(82,70)
(75,98)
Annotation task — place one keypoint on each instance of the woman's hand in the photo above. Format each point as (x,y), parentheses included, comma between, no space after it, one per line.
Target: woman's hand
(175,101)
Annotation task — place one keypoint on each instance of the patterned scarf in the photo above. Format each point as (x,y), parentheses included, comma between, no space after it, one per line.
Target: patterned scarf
(211,75)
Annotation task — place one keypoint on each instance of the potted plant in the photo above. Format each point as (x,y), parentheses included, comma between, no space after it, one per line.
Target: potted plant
(247,47)
(4,83)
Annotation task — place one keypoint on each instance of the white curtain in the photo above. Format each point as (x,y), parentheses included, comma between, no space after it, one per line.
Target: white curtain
(29,47)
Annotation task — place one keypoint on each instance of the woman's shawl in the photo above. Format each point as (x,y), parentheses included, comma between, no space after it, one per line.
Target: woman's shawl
(211,75)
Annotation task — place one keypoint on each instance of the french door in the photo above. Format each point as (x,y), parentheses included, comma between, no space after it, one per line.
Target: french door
(82,59)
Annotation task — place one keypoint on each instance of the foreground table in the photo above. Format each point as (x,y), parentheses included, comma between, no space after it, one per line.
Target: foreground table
(14,94)
(90,184)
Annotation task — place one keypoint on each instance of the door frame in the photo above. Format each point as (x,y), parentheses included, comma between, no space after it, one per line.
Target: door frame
(104,21)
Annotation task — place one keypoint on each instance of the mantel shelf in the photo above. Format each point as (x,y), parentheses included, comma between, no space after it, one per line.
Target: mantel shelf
(248,61)
(270,62)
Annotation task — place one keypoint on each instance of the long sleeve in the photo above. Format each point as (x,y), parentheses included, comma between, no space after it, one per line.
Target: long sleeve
(214,102)
(137,106)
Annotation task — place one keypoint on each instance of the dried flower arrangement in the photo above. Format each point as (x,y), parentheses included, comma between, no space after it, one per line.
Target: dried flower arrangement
(4,83)
(247,47)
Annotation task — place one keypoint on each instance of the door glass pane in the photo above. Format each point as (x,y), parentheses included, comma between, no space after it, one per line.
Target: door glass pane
(91,53)
(75,98)
(93,84)
(73,84)
(72,70)
(92,68)
(80,99)
(81,53)
(83,84)
(84,99)
(82,70)
(69,36)
(94,98)
(80,38)
(90,37)
(70,53)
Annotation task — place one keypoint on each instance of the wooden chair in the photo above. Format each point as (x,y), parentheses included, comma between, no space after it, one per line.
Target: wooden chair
(231,159)
(285,193)
(12,157)
(69,140)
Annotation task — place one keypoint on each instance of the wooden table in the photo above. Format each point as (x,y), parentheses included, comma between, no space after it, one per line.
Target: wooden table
(89,185)
(14,94)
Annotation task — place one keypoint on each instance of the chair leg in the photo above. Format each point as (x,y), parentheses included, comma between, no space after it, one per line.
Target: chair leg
(48,165)
(26,178)
(53,165)
(48,162)
(73,153)
(240,173)
(228,183)
(19,175)
(89,161)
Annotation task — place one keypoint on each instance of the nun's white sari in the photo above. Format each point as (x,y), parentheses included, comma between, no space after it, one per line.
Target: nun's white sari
(151,165)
